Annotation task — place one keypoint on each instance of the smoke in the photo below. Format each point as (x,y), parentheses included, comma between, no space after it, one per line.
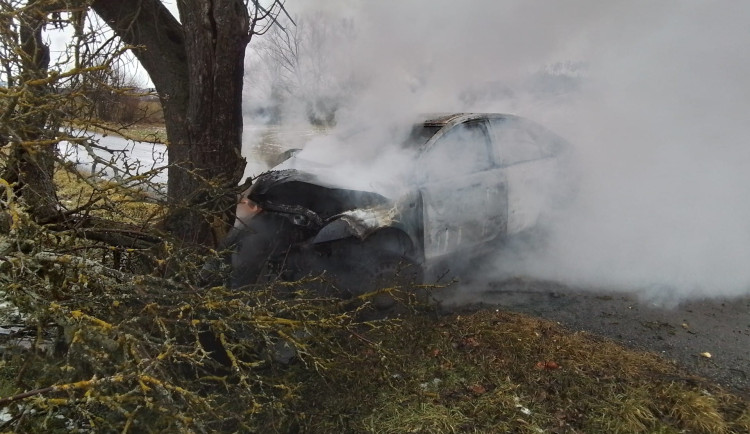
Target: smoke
(654,97)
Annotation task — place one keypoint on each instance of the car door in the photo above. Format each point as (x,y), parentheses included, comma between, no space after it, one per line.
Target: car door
(464,195)
(530,168)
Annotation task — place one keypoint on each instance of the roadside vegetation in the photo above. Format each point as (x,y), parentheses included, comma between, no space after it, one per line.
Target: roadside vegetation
(98,338)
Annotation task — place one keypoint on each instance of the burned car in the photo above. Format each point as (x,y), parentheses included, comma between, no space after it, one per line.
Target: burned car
(471,181)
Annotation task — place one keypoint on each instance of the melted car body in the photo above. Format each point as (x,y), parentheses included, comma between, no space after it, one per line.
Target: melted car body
(473,180)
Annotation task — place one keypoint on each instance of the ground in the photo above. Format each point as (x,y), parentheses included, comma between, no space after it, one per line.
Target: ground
(688,333)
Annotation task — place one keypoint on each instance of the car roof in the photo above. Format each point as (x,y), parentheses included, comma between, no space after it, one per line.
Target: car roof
(443,119)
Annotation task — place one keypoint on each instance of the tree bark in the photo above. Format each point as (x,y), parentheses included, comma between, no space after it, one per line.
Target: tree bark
(31,164)
(197,67)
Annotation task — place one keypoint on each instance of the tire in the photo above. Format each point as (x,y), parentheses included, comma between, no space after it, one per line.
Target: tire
(392,271)
(382,262)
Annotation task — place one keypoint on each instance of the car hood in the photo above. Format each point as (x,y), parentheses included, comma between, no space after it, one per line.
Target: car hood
(292,191)
(385,176)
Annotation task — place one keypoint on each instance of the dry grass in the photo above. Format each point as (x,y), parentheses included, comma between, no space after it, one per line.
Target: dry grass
(505,372)
(147,125)
(106,199)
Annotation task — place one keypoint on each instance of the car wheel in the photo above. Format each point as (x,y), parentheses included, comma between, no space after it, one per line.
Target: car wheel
(381,263)
(388,271)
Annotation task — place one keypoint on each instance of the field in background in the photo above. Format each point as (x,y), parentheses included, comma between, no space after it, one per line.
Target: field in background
(263,144)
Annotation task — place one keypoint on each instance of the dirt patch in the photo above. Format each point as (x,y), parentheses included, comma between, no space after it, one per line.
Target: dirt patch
(708,337)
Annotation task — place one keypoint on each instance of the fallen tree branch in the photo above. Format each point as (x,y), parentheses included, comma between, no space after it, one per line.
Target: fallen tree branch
(94,267)
(108,231)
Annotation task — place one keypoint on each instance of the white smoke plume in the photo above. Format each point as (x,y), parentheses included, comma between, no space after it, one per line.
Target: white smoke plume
(654,96)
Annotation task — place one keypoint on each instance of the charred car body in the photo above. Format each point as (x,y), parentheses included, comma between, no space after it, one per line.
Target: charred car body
(474,180)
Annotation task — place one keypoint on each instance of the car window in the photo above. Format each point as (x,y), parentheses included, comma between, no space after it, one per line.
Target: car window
(463,150)
(513,142)
(419,135)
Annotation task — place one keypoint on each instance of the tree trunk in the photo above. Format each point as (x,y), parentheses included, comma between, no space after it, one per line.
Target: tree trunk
(30,163)
(197,67)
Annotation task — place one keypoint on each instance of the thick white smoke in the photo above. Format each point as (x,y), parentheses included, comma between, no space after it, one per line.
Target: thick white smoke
(653,95)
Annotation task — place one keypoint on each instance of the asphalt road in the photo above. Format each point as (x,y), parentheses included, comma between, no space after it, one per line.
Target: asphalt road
(719,327)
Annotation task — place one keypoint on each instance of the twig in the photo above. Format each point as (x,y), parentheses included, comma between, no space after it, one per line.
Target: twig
(85,384)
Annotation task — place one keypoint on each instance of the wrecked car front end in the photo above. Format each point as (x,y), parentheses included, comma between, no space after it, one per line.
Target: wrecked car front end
(304,227)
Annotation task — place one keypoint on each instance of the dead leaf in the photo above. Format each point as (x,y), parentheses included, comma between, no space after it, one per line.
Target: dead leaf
(549,364)
(478,390)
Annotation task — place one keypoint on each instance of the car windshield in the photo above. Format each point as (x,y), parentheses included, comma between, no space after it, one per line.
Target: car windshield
(419,135)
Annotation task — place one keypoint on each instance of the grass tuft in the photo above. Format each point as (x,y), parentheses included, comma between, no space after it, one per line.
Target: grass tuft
(695,410)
